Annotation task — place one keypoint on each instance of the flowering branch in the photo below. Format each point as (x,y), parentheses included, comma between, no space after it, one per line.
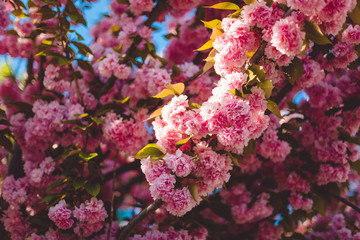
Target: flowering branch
(130,52)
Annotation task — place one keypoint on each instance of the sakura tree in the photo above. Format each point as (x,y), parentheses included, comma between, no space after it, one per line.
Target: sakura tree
(117,140)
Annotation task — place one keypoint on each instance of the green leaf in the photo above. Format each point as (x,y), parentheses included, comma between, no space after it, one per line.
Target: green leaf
(356,166)
(2,112)
(177,88)
(23,107)
(150,46)
(73,121)
(85,65)
(151,150)
(182,142)
(248,2)
(258,72)
(57,183)
(93,189)
(273,107)
(294,71)
(355,14)
(267,86)
(80,38)
(19,13)
(319,204)
(345,136)
(20,4)
(208,65)
(236,92)
(211,24)
(5,71)
(31,4)
(79,183)
(81,115)
(63,61)
(88,156)
(122,101)
(98,121)
(155,114)
(74,13)
(164,93)
(235,158)
(118,49)
(215,33)
(225,6)
(250,148)
(207,45)
(314,33)
(50,197)
(46,13)
(52,2)
(70,153)
(83,49)
(194,106)
(193,190)
(116,108)
(5,142)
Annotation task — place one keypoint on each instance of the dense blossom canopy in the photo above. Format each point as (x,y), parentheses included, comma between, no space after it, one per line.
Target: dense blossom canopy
(206,140)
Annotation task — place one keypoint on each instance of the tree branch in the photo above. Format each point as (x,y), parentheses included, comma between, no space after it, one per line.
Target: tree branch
(196,75)
(258,54)
(124,168)
(30,70)
(15,165)
(139,218)
(41,71)
(282,93)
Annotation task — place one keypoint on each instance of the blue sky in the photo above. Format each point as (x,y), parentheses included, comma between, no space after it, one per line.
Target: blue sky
(92,16)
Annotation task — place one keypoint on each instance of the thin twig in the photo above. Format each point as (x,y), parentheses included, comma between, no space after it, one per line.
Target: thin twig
(139,218)
(346,202)
(112,196)
(196,75)
(341,199)
(78,91)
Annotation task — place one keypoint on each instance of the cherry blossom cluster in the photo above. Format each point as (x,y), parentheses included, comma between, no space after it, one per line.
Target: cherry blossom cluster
(118,125)
(171,233)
